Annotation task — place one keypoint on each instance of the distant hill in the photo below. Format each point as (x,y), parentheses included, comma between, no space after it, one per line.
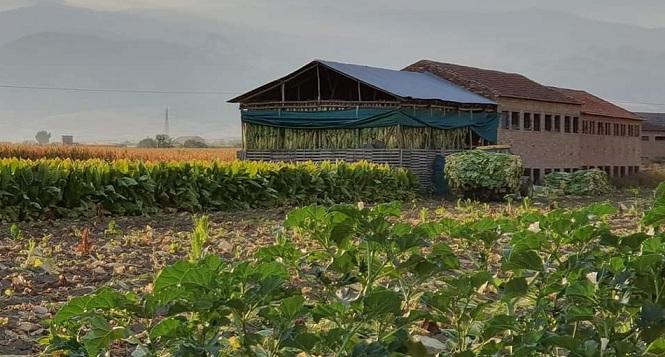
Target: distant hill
(56,45)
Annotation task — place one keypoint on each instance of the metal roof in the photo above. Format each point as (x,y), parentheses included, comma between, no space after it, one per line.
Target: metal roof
(413,85)
(402,84)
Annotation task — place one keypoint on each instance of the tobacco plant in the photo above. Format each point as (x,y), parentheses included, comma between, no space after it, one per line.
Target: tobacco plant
(560,283)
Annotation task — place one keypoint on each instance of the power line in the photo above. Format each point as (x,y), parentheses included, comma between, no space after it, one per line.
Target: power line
(109,90)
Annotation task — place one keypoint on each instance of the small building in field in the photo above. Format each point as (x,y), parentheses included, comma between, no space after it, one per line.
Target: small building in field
(653,138)
(67,140)
(329,111)
(549,127)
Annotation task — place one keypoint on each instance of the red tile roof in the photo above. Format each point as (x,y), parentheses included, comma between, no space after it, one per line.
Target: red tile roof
(491,84)
(594,105)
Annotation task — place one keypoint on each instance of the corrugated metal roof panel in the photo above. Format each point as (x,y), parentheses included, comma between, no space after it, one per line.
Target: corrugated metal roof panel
(413,85)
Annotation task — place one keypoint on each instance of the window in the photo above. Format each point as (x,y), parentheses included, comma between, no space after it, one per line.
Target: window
(623,129)
(536,122)
(548,122)
(527,121)
(515,120)
(592,127)
(645,138)
(567,125)
(637,130)
(659,138)
(630,130)
(576,125)
(505,116)
(616,129)
(601,129)
(585,127)
(557,123)
(608,127)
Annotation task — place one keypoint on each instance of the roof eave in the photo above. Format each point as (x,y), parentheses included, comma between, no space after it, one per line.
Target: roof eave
(540,99)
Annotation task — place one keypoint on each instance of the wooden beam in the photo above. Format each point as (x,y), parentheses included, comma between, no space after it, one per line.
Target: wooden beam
(318,82)
(283,94)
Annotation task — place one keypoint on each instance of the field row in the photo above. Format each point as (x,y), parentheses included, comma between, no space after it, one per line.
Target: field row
(53,188)
(110,153)
(356,281)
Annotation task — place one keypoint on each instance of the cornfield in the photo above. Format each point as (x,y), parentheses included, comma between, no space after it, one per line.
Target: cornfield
(110,153)
(259,137)
(49,188)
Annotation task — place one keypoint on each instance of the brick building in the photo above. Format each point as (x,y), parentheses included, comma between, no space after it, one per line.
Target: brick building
(610,135)
(552,129)
(653,138)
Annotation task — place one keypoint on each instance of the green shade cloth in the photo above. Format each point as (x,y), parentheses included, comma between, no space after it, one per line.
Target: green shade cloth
(484,124)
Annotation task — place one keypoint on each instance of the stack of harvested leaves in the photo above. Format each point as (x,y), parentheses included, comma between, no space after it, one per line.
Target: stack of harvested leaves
(580,183)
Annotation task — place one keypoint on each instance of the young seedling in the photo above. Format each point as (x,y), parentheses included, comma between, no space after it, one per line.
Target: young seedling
(199,238)
(15,232)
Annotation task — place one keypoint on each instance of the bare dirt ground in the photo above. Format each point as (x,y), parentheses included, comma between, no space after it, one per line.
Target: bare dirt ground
(75,257)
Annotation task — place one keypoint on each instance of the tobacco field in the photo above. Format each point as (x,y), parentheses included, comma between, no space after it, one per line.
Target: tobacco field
(556,278)
(55,188)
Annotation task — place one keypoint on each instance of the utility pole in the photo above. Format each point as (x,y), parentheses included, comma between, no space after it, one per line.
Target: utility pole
(166,123)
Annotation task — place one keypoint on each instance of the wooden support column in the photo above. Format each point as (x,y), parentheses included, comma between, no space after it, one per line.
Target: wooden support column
(318,83)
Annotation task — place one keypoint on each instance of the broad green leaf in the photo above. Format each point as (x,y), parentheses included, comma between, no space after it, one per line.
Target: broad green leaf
(101,335)
(514,288)
(528,260)
(166,328)
(291,307)
(498,324)
(381,302)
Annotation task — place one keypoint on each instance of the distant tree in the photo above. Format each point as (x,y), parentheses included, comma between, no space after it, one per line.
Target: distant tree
(148,143)
(164,141)
(43,137)
(193,143)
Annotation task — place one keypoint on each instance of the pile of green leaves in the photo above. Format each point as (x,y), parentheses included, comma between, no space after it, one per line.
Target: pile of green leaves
(483,175)
(371,285)
(55,187)
(580,183)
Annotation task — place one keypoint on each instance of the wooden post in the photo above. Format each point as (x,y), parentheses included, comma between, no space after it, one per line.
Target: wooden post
(242,134)
(283,94)
(360,98)
(318,83)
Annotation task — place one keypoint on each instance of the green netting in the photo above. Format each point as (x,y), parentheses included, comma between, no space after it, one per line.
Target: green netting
(484,124)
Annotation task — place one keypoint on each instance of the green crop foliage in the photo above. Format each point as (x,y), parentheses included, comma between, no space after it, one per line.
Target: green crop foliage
(566,285)
(260,137)
(483,175)
(580,183)
(56,188)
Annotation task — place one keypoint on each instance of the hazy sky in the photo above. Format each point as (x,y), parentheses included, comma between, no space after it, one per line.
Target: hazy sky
(645,13)
(612,48)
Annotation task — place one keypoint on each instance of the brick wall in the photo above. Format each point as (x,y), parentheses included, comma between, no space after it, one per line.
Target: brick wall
(541,150)
(550,137)
(614,149)
(653,150)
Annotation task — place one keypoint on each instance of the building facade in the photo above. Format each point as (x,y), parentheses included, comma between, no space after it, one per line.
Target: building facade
(652,138)
(552,129)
